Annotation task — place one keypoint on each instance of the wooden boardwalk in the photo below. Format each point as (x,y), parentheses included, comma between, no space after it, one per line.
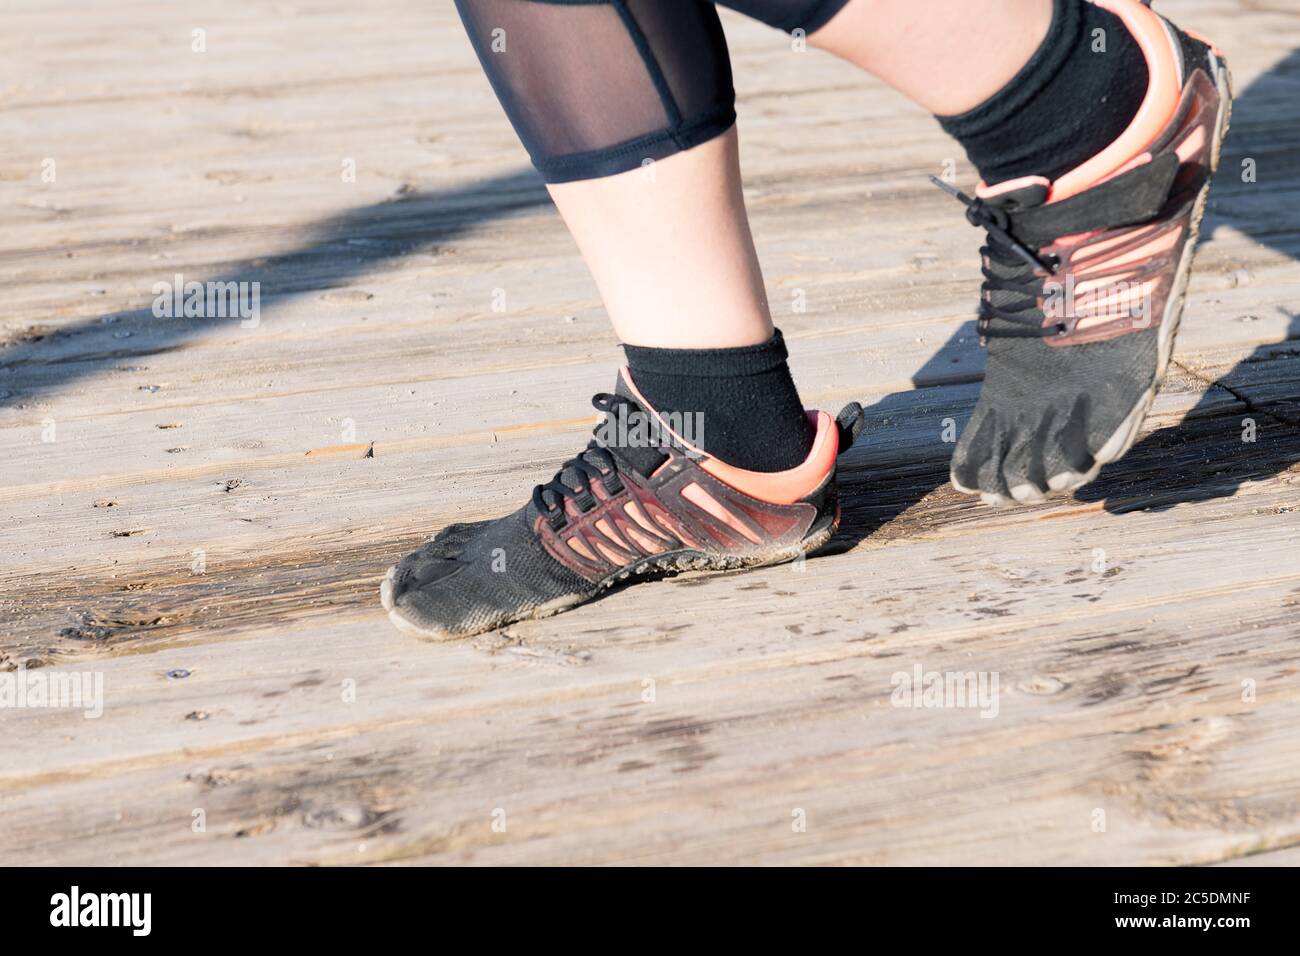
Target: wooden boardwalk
(201,512)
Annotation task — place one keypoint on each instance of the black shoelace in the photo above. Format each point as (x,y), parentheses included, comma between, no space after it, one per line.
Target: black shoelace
(1026,283)
(573,480)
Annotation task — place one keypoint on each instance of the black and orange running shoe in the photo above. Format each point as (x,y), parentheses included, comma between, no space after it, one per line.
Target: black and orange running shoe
(640,500)
(1084,280)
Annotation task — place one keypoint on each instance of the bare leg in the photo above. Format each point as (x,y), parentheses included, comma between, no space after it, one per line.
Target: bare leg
(670,249)
(669,245)
(947,55)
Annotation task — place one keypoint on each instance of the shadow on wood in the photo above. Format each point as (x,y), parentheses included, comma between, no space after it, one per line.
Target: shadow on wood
(336,251)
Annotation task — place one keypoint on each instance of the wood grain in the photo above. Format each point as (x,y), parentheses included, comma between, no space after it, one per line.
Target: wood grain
(1142,633)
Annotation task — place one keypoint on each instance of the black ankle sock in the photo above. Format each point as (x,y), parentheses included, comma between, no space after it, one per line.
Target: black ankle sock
(751,414)
(1066,104)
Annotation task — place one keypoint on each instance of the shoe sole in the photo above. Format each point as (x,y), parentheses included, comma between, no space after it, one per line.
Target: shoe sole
(1122,439)
(666,564)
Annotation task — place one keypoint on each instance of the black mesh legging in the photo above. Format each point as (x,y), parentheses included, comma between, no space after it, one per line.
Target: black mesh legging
(596,87)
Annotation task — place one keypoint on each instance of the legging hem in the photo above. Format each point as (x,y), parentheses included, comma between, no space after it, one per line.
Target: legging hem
(631,154)
(815,17)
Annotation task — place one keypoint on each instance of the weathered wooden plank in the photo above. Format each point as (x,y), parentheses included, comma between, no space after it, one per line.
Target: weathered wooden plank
(1122,690)
(157,599)
(1289,856)
(1200,764)
(376,508)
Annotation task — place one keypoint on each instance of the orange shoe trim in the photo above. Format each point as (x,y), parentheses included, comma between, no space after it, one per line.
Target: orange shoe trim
(580,546)
(697,496)
(639,516)
(643,541)
(774,487)
(1163,91)
(985,191)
